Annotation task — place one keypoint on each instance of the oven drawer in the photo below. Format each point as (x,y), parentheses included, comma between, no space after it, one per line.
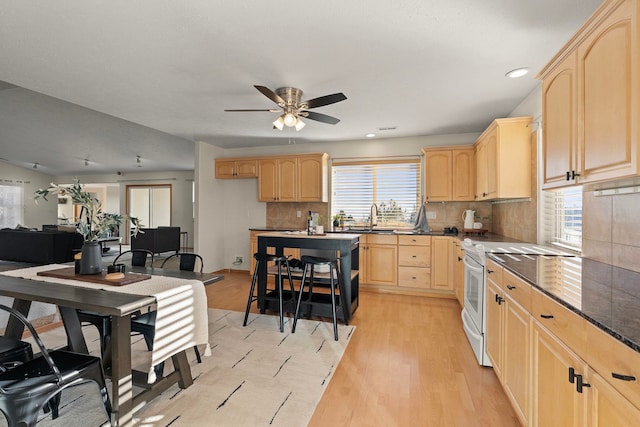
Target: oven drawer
(567,326)
(517,289)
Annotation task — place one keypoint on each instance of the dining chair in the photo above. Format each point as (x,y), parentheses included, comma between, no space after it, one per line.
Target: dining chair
(187,260)
(102,322)
(26,388)
(145,323)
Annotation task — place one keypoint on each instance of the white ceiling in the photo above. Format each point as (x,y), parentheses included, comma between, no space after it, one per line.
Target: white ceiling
(113,69)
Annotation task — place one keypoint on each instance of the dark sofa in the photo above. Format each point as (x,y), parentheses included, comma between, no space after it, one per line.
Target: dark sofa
(157,240)
(39,247)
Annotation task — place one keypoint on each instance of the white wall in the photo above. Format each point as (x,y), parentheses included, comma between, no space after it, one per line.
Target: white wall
(227,208)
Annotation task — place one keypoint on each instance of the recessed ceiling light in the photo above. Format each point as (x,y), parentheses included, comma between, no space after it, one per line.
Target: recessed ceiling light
(518,72)
(370,135)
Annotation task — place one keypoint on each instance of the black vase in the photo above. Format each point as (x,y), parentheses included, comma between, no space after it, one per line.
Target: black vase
(91,261)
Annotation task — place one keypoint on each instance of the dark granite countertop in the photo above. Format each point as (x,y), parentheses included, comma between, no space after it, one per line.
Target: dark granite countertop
(605,295)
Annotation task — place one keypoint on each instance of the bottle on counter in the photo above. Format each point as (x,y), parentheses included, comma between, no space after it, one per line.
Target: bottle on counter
(309,224)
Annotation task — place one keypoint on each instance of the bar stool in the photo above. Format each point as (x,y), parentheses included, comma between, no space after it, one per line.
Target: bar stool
(309,263)
(279,260)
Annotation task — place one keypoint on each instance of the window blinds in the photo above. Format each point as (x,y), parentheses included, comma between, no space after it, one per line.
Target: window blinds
(562,217)
(394,186)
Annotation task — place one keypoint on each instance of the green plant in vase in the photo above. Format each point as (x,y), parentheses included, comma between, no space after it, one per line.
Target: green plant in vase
(93,223)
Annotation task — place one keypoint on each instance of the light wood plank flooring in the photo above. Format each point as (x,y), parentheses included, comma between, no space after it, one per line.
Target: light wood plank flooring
(408,364)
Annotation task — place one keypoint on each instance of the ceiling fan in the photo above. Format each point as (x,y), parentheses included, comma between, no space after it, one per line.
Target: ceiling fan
(292,108)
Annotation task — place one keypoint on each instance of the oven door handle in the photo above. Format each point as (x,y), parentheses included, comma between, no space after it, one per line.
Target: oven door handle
(472,267)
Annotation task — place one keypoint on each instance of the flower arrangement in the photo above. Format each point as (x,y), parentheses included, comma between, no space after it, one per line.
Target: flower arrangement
(93,222)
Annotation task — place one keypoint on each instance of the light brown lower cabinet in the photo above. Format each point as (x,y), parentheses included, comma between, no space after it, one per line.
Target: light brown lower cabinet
(556,400)
(555,367)
(508,336)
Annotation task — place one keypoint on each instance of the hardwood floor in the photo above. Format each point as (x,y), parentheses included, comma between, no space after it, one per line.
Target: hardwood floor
(408,364)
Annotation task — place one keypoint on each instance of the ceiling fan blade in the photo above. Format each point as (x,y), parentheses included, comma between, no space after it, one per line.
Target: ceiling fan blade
(243,111)
(271,95)
(319,117)
(324,100)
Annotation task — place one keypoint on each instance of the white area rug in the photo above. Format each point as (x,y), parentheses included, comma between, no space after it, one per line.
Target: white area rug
(256,376)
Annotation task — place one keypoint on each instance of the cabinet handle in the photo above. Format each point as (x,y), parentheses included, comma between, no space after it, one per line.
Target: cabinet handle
(459,259)
(489,271)
(413,256)
(413,277)
(548,316)
(580,383)
(568,176)
(574,174)
(511,287)
(499,299)
(623,377)
(572,375)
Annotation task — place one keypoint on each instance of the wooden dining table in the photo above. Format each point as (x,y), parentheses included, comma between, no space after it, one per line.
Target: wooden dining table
(120,306)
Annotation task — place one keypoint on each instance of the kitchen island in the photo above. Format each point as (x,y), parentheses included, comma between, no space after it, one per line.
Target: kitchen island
(347,245)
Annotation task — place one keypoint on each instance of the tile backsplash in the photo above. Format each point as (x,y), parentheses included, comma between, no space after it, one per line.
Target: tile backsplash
(611,229)
(285,215)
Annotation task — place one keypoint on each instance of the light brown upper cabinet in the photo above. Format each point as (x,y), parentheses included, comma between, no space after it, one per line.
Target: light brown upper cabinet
(277,179)
(590,100)
(503,160)
(313,176)
(300,178)
(236,168)
(449,174)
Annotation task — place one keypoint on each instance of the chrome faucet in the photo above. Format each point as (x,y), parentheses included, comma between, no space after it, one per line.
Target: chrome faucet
(373,216)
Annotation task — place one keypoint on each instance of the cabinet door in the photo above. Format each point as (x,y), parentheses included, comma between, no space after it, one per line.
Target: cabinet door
(458,257)
(492,165)
(608,407)
(481,170)
(225,169)
(312,179)
(555,400)
(463,175)
(382,264)
(268,180)
(441,263)
(438,175)
(494,333)
(287,180)
(559,139)
(516,366)
(246,168)
(608,106)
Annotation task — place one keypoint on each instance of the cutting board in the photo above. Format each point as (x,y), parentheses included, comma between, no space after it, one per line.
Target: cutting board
(70,273)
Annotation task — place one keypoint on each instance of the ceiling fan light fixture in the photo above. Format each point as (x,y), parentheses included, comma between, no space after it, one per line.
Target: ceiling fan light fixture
(290,120)
(279,123)
(299,124)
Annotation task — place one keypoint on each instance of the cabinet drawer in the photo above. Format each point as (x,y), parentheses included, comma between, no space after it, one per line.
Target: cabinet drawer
(517,289)
(414,277)
(494,272)
(567,326)
(382,239)
(608,356)
(414,256)
(414,240)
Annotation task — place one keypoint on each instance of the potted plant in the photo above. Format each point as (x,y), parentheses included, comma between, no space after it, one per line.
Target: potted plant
(93,223)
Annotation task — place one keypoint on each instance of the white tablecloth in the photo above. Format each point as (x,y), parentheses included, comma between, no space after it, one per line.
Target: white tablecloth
(181,319)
